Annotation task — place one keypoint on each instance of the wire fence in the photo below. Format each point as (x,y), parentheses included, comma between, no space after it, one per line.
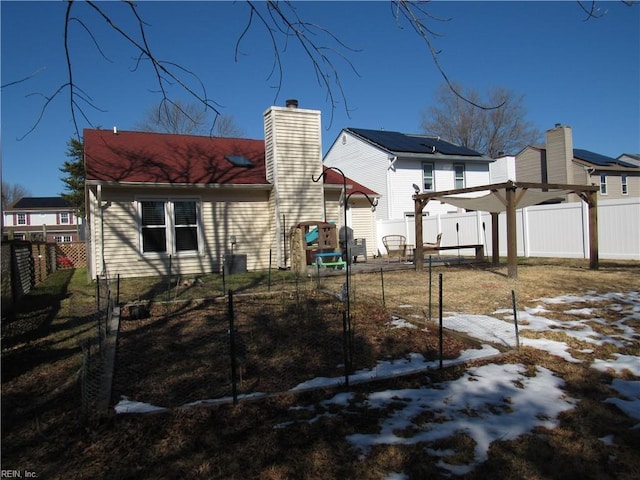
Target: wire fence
(240,347)
(95,363)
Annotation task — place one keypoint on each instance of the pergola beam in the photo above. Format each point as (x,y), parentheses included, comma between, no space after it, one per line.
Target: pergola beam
(510,200)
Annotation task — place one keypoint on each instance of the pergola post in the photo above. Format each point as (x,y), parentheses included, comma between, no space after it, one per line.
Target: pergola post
(495,238)
(418,254)
(592,202)
(512,240)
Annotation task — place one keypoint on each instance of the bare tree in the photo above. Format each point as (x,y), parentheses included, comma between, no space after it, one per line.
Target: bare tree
(12,193)
(176,117)
(489,131)
(226,126)
(179,117)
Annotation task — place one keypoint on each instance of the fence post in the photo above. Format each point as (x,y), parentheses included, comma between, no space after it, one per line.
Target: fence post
(345,347)
(430,288)
(440,313)
(515,317)
(232,349)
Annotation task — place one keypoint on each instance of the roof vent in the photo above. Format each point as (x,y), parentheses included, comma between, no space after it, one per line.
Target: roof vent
(292,103)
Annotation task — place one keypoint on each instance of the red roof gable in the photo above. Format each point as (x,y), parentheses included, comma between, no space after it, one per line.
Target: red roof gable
(160,158)
(142,157)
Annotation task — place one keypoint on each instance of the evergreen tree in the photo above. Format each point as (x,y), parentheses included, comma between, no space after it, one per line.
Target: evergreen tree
(75,176)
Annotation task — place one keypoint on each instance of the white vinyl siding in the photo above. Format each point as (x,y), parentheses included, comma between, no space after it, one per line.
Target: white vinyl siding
(365,164)
(222,214)
(293,139)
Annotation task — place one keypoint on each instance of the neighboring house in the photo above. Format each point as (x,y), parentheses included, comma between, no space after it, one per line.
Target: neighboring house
(392,162)
(503,169)
(160,201)
(633,158)
(558,162)
(49,219)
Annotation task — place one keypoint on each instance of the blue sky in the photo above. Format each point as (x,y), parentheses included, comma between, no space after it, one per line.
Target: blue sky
(580,73)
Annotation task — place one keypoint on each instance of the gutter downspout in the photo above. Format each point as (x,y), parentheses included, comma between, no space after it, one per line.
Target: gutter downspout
(391,167)
(102,262)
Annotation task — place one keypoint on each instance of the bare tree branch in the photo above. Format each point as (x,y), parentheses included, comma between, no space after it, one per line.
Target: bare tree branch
(413,11)
(28,77)
(279,22)
(283,26)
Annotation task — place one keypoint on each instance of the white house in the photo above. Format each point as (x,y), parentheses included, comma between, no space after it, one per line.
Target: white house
(396,165)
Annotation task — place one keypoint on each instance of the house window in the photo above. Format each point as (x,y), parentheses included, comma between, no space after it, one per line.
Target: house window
(169,226)
(427,177)
(64,217)
(186,226)
(623,180)
(62,238)
(459,175)
(603,184)
(22,218)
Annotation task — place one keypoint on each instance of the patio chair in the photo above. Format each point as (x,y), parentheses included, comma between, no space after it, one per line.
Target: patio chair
(427,246)
(396,246)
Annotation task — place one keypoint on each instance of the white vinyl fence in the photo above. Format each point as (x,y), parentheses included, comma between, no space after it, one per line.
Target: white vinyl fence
(560,230)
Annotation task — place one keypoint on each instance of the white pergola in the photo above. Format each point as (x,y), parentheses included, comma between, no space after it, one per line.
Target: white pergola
(507,197)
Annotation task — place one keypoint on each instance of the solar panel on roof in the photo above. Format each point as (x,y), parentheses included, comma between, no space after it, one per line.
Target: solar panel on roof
(597,159)
(446,147)
(41,202)
(400,142)
(239,160)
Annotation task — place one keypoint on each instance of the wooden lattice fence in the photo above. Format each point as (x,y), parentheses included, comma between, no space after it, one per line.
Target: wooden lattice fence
(71,255)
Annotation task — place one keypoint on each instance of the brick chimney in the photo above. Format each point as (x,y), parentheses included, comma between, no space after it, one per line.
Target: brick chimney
(559,142)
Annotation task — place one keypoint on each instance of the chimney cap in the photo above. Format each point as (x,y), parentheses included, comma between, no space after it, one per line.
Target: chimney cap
(558,125)
(291,103)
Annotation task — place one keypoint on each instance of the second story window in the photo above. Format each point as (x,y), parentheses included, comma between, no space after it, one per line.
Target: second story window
(623,181)
(64,217)
(603,184)
(459,176)
(427,177)
(21,218)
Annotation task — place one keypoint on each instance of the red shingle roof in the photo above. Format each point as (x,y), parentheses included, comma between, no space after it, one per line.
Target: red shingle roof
(143,157)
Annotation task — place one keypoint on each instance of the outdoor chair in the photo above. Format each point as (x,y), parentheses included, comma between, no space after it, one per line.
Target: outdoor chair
(433,246)
(396,246)
(427,246)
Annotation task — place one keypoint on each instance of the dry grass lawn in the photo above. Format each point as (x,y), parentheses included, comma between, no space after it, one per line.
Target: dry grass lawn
(44,432)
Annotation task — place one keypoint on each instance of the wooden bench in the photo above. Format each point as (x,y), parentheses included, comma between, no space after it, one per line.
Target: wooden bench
(334,260)
(396,246)
(478,248)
